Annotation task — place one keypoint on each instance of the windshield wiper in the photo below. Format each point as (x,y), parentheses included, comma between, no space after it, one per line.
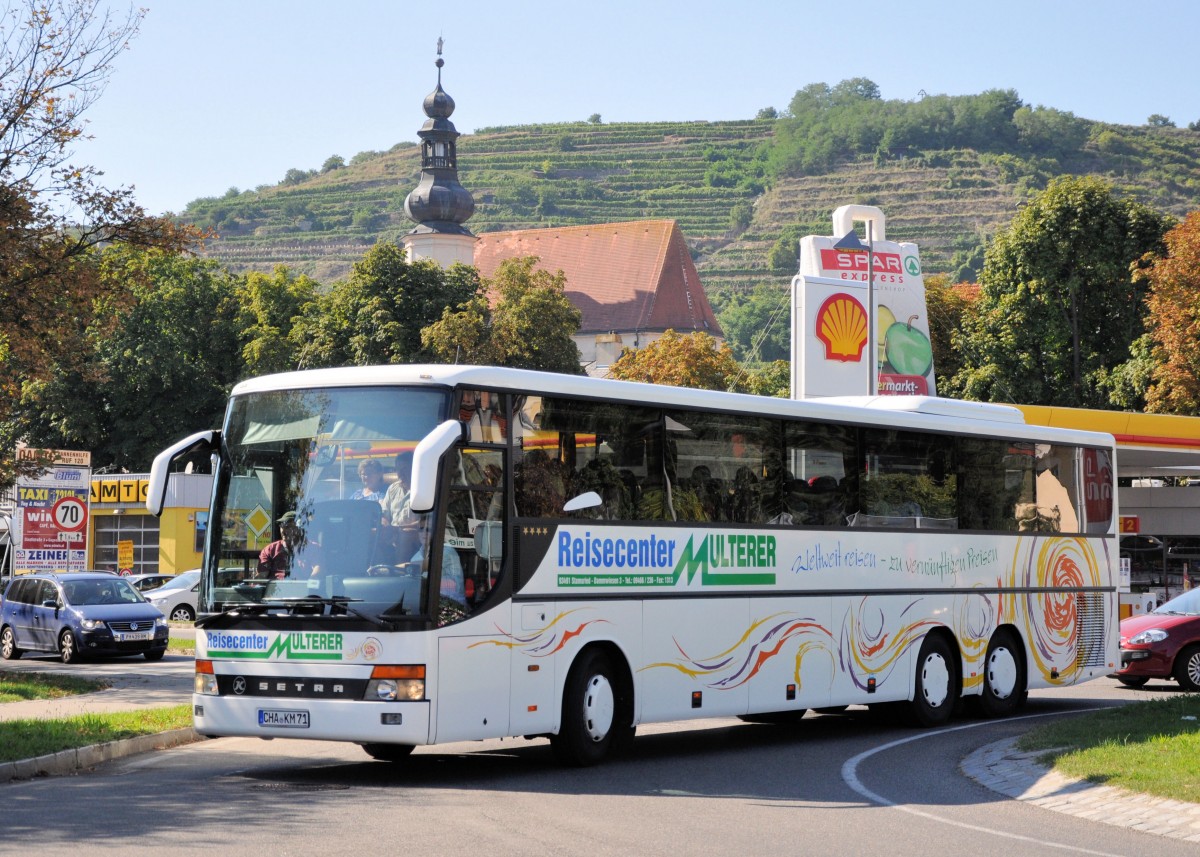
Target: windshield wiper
(260,607)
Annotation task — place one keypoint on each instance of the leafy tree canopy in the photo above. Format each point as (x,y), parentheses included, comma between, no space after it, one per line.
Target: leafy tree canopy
(1059,305)
(153,367)
(272,308)
(694,360)
(376,316)
(1173,320)
(529,323)
(824,125)
(757,326)
(55,59)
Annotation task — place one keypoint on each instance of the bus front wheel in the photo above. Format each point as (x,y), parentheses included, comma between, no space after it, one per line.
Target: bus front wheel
(597,714)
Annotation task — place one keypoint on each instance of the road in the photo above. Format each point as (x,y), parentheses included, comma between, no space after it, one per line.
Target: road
(833,784)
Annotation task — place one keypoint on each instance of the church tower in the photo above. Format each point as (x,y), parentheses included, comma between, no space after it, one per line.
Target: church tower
(439,204)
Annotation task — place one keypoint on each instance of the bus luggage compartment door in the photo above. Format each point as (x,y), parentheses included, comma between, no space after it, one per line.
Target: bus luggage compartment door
(472,689)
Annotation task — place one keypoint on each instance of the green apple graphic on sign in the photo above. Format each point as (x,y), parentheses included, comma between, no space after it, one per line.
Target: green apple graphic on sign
(908,349)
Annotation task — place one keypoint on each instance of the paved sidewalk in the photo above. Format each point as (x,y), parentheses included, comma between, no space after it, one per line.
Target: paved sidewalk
(1003,768)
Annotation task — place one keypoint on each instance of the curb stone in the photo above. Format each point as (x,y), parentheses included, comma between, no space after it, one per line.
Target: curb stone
(1004,769)
(80,758)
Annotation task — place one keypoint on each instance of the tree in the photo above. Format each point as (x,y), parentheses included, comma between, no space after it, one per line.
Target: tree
(1157,120)
(758,326)
(594,119)
(376,316)
(947,306)
(157,367)
(55,59)
(1059,306)
(766,113)
(333,162)
(529,324)
(695,360)
(271,310)
(1173,306)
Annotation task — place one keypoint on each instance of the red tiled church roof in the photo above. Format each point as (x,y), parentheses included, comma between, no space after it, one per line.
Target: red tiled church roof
(622,276)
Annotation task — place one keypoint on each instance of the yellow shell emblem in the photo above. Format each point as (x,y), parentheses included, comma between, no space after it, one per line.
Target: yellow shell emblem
(842,327)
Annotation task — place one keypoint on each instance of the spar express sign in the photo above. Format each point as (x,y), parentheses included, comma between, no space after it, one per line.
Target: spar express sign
(848,295)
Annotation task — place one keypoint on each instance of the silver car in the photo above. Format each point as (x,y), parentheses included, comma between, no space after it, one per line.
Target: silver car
(177,598)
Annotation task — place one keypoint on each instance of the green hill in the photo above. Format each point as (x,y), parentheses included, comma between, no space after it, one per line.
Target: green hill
(722,181)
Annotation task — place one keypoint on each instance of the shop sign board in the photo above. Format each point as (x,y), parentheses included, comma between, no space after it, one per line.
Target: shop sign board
(831,316)
(50,522)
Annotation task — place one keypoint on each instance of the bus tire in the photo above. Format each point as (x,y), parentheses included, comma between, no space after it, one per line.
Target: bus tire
(388,752)
(1003,676)
(597,712)
(935,688)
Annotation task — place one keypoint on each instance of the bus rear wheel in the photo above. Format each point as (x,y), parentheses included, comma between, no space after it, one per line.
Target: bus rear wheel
(597,713)
(388,752)
(1003,677)
(936,684)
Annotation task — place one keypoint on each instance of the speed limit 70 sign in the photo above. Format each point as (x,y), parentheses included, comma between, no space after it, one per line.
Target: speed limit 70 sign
(70,513)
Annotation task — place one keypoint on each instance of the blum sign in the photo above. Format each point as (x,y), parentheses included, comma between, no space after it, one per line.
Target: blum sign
(120,490)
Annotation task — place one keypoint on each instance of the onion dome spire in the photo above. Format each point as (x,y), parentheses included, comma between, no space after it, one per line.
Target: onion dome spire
(439,204)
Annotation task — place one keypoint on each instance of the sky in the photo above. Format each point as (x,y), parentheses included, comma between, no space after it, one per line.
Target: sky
(233,93)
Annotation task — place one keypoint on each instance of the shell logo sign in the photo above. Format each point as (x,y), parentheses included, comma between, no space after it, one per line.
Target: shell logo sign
(859,321)
(841,325)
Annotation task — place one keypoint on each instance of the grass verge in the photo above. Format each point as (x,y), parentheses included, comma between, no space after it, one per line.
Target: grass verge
(23,686)
(25,739)
(1148,747)
(181,647)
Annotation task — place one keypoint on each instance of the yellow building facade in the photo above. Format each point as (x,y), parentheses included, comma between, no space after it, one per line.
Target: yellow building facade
(123,536)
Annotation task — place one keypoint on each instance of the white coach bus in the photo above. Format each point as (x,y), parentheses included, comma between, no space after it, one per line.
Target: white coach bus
(409,555)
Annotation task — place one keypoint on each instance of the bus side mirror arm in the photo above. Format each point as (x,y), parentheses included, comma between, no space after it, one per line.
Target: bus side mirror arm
(426,458)
(160,470)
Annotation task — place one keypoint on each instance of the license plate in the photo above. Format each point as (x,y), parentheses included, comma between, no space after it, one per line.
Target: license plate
(283,718)
(133,636)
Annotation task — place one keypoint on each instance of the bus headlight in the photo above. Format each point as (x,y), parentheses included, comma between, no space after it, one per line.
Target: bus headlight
(206,680)
(397,683)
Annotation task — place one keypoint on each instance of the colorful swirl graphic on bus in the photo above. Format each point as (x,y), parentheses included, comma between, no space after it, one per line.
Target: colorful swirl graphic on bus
(546,640)
(1051,621)
(866,650)
(758,644)
(974,621)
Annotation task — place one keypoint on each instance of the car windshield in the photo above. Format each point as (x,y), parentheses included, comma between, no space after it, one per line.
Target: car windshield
(80,593)
(183,581)
(312,502)
(1187,604)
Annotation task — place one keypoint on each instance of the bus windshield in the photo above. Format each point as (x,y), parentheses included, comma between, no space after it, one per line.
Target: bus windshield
(313,506)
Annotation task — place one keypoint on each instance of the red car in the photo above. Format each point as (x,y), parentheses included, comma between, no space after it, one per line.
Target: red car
(1163,644)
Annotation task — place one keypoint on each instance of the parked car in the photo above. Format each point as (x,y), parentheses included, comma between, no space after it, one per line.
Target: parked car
(1164,643)
(145,582)
(177,598)
(78,614)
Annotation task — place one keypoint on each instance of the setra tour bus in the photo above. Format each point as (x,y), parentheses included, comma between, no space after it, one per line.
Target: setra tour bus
(410,555)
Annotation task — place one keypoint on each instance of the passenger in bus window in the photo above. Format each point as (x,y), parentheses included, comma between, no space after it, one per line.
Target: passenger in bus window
(396,500)
(453,600)
(371,474)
